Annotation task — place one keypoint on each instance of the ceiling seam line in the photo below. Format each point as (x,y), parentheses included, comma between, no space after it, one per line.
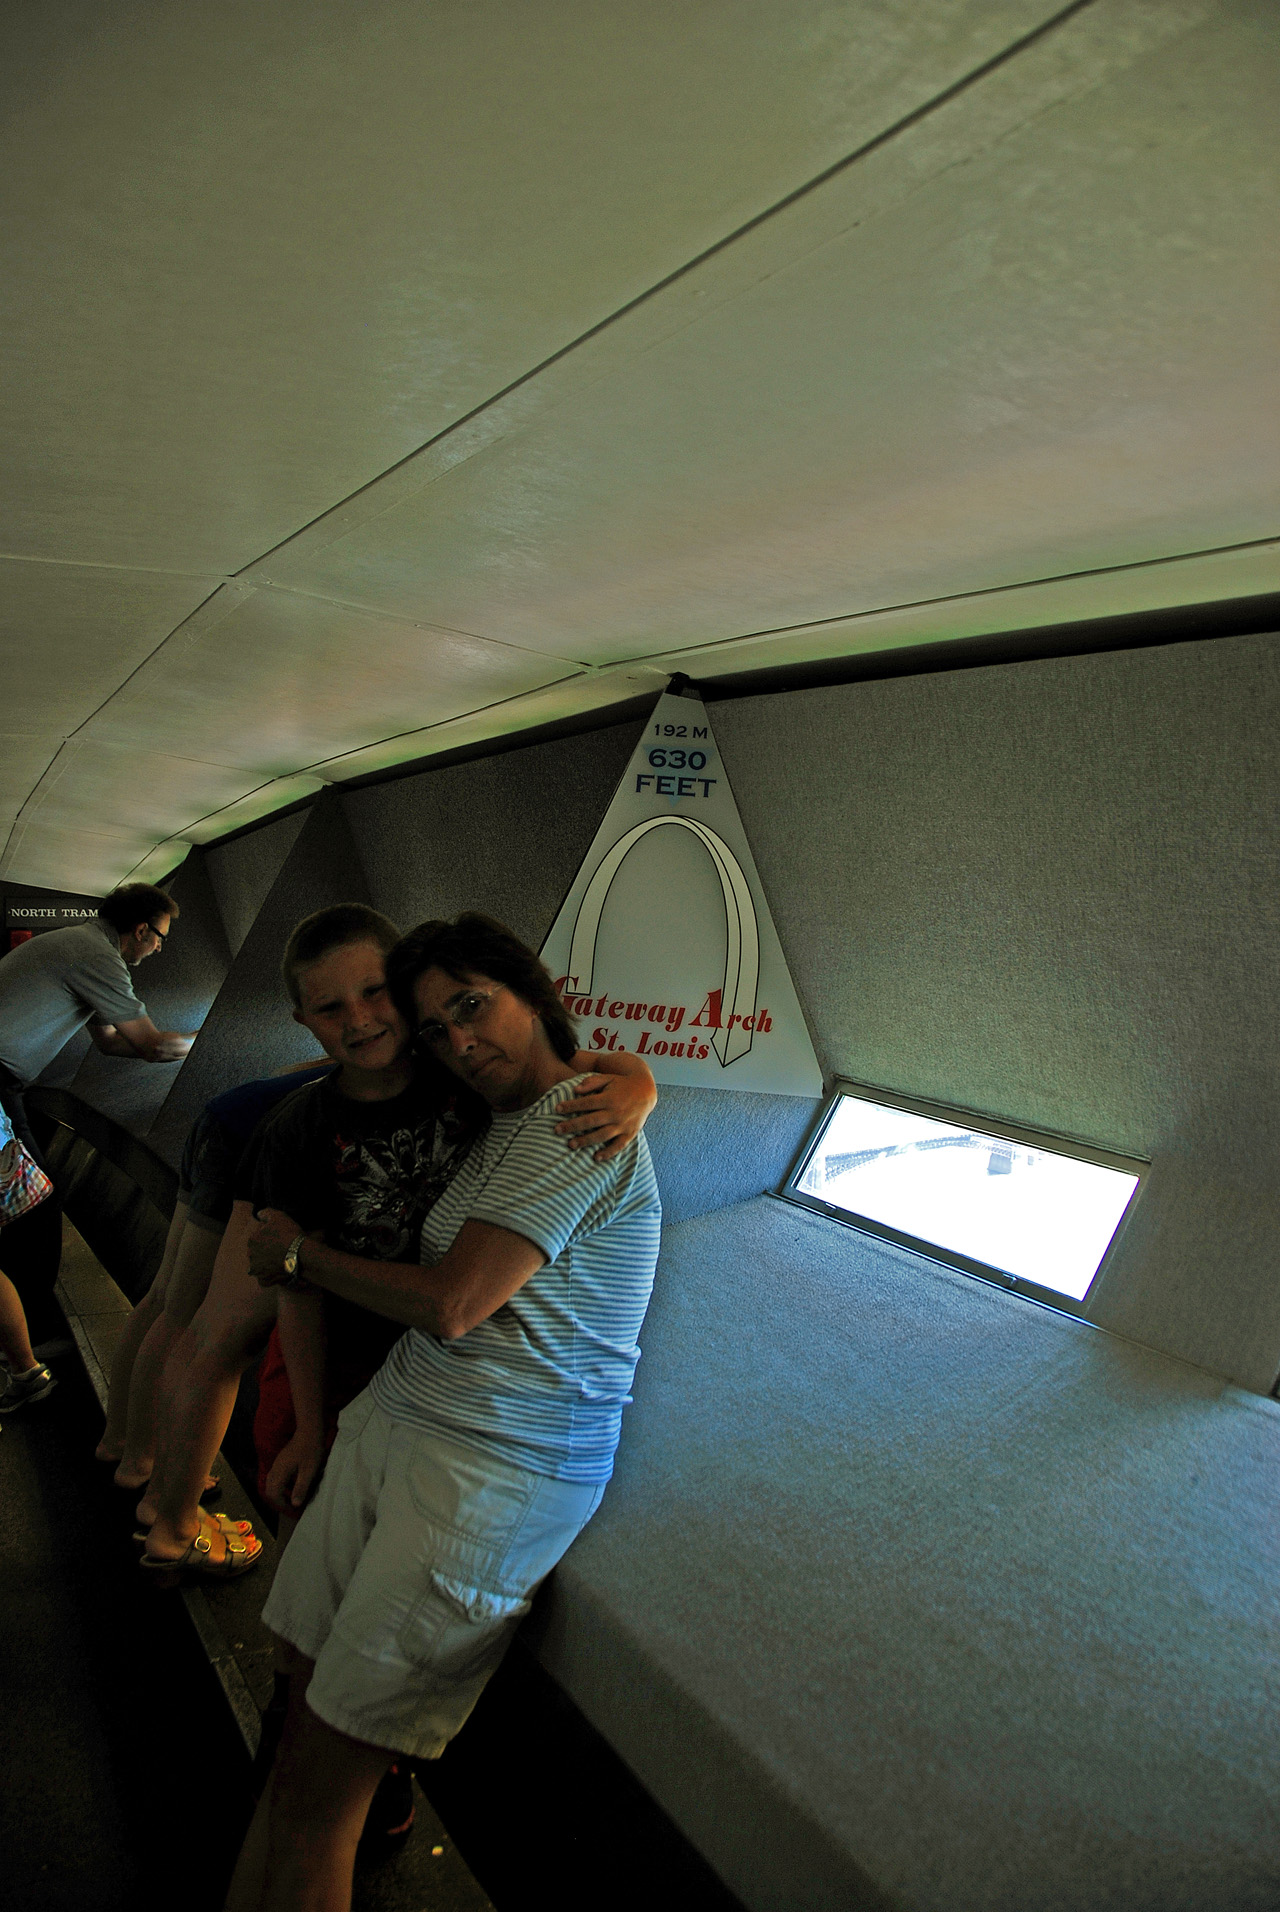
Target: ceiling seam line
(998,590)
(317,764)
(878,140)
(148,659)
(312,769)
(266,585)
(36,788)
(210,573)
(176,836)
(269,585)
(10,848)
(571,677)
(955,597)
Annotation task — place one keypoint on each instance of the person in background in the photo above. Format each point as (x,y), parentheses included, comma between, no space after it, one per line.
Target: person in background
(483,1444)
(23,1378)
(153,1333)
(26,1379)
(51,987)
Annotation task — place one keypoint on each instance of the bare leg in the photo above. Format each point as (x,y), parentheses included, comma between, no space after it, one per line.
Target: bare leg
(301,1847)
(186,1289)
(138,1455)
(229,1330)
(15,1342)
(148,1312)
(244,1894)
(193,1434)
(139,1324)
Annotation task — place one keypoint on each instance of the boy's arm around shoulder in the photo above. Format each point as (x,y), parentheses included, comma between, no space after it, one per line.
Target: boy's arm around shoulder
(612,1103)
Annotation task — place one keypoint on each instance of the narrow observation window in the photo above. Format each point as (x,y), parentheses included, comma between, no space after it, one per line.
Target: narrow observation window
(1033,1211)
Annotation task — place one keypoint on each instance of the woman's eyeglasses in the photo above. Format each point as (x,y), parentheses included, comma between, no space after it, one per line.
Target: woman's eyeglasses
(463,1014)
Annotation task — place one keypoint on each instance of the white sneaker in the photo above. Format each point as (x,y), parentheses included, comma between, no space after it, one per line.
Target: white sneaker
(25,1388)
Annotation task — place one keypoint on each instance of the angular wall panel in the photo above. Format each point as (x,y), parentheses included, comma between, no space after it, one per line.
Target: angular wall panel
(503,834)
(249,1031)
(243,870)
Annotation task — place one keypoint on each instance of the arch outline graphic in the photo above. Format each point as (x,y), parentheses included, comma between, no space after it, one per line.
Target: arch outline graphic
(742,939)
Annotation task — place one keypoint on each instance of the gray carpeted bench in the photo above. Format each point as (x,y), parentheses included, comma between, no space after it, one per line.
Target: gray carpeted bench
(910,1593)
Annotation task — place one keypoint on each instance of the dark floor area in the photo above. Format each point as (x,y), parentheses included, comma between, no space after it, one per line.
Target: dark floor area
(122,1777)
(121,1771)
(545,1813)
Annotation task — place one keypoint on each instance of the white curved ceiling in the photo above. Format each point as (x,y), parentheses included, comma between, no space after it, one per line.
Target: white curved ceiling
(385,378)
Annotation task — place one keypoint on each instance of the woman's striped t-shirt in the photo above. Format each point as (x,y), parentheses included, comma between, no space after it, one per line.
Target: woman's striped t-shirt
(543,1381)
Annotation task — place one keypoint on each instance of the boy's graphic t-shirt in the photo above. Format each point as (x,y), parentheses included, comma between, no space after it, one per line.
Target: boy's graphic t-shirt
(366,1174)
(240,1110)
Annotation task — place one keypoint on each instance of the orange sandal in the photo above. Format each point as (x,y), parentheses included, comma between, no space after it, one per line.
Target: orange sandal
(211,1523)
(237,1557)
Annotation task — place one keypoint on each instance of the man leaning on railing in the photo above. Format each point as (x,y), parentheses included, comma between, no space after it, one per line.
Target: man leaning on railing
(50,987)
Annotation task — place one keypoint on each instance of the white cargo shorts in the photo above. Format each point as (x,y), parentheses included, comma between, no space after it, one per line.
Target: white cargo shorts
(410,1572)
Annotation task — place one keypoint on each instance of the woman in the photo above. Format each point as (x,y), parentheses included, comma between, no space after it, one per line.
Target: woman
(24,1379)
(483,1445)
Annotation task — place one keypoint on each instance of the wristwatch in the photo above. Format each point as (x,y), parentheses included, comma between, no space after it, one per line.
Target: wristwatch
(290,1264)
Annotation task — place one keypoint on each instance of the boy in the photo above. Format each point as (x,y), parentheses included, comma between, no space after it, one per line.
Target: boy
(154,1331)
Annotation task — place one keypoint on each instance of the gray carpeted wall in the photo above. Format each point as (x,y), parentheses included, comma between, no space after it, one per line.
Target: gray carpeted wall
(1043,890)
(243,870)
(907,1593)
(1047,891)
(503,834)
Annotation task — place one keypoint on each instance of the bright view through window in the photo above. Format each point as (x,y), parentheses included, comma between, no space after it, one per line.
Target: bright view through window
(1022,1208)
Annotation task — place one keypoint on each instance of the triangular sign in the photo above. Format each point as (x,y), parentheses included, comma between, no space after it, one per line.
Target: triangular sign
(664,944)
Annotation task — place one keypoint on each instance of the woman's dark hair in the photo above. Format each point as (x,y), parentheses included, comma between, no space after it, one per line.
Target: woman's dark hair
(135,903)
(476,945)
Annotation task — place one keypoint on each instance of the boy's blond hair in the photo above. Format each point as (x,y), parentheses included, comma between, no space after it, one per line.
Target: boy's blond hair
(333,928)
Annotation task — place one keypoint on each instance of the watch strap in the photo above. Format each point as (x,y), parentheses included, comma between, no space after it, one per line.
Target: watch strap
(290,1264)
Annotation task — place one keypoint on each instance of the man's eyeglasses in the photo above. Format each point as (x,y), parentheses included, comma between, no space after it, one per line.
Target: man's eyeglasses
(161,935)
(463,1014)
